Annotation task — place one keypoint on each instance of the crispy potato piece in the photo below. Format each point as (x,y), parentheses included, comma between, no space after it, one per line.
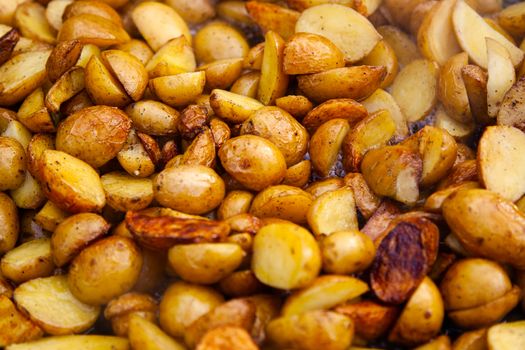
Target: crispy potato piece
(103,88)
(221,74)
(137,48)
(218,40)
(381,99)
(86,342)
(323,294)
(415,89)
(75,233)
(436,37)
(50,216)
(341,108)
(371,319)
(21,75)
(380,220)
(233,11)
(511,19)
(240,283)
(232,107)
(307,53)
(28,261)
(248,84)
(464,171)
(332,212)
(393,171)
(236,312)
(394,276)
(68,85)
(511,110)
(153,117)
(366,201)
(506,336)
(63,57)
(227,337)
(128,70)
(464,18)
(29,195)
(435,201)
(501,75)
(383,55)
(253,58)
(124,192)
(283,202)
(405,49)
(163,231)
(285,256)
(370,133)
(201,151)
(274,81)
(34,114)
(8,220)
(13,164)
(347,252)
(16,328)
(134,158)
(273,17)
(460,131)
(144,334)
(121,309)
(298,175)
(50,304)
(170,24)
(31,20)
(93,29)
(8,42)
(180,89)
(70,183)
(357,82)
(235,202)
(326,143)
(451,88)
(499,147)
(352,33)
(312,330)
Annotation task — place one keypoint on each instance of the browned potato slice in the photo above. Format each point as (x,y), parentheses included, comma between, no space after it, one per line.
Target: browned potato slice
(102,86)
(296,105)
(393,171)
(75,135)
(465,18)
(91,7)
(499,152)
(285,256)
(12,165)
(16,328)
(75,233)
(352,33)
(312,330)
(128,70)
(9,221)
(67,86)
(88,51)
(341,108)
(169,24)
(153,117)
(180,89)
(415,89)
(236,312)
(439,343)
(137,48)
(307,53)
(227,337)
(8,43)
(253,58)
(506,336)
(201,151)
(333,211)
(323,294)
(325,145)
(366,201)
(93,29)
(501,75)
(205,263)
(372,132)
(54,11)
(232,107)
(383,55)
(50,216)
(511,112)
(222,74)
(464,171)
(274,81)
(72,184)
(273,17)
(436,37)
(50,304)
(381,99)
(30,19)
(451,89)
(283,202)
(475,80)
(124,192)
(415,326)
(472,340)
(195,12)
(134,158)
(511,19)
(405,49)
(298,175)
(21,75)
(357,82)
(247,85)
(144,334)
(85,342)
(27,261)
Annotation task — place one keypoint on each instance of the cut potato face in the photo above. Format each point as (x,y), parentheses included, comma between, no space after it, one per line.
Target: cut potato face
(351,32)
(415,89)
(274,81)
(381,99)
(124,192)
(512,109)
(473,42)
(501,75)
(51,305)
(506,336)
(499,153)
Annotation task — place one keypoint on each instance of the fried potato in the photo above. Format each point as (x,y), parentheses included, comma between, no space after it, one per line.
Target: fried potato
(180,89)
(16,328)
(144,334)
(54,11)
(28,261)
(472,340)
(218,40)
(89,7)
(68,85)
(341,108)
(233,107)
(333,211)
(274,81)
(381,99)
(326,143)
(13,164)
(8,220)
(253,58)
(129,71)
(283,202)
(137,48)
(273,17)
(103,88)
(86,342)
(153,117)
(134,158)
(221,74)
(93,29)
(247,85)
(475,80)
(50,304)
(501,75)
(506,336)
(30,19)
(405,49)
(8,43)
(383,55)
(50,216)
(511,110)
(511,19)
(29,195)
(452,92)
(352,33)
(227,337)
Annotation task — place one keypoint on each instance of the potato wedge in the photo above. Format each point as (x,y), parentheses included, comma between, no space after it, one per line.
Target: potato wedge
(63,58)
(351,32)
(134,158)
(54,11)
(436,37)
(92,29)
(16,328)
(128,70)
(248,84)
(30,18)
(144,334)
(499,147)
(153,117)
(283,202)
(511,19)
(13,164)
(68,85)
(465,18)
(180,89)
(9,220)
(333,211)
(169,23)
(233,107)
(307,53)
(381,99)
(50,304)
(72,184)
(103,88)
(28,261)
(137,48)
(8,43)
(475,80)
(341,108)
(383,55)
(273,17)
(66,342)
(452,92)
(50,216)
(221,74)
(405,49)
(511,112)
(274,81)
(506,336)
(124,192)
(501,75)
(98,8)
(227,337)
(357,82)
(415,89)
(326,143)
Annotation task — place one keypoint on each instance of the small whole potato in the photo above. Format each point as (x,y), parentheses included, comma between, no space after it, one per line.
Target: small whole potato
(105,270)
(253,161)
(347,252)
(12,164)
(193,189)
(183,303)
(9,223)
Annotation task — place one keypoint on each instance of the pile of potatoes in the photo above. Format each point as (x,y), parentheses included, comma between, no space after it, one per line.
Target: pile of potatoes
(273,175)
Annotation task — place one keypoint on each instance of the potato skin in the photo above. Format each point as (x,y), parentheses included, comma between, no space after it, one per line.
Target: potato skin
(9,223)
(193,189)
(94,135)
(104,270)
(12,164)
